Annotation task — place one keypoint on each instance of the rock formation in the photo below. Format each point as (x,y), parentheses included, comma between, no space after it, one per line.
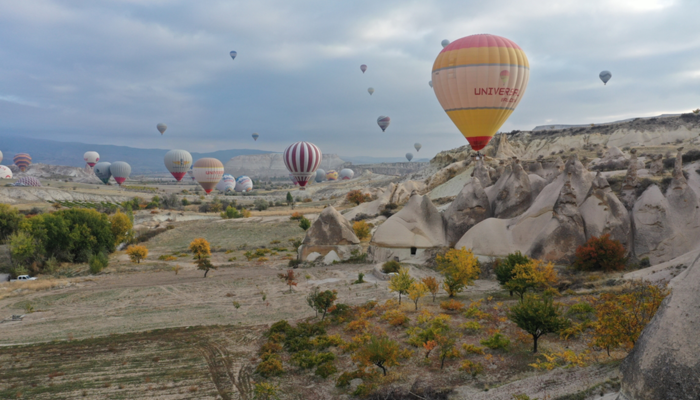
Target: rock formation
(416,227)
(471,206)
(665,361)
(330,232)
(565,232)
(513,192)
(613,159)
(504,150)
(482,173)
(603,213)
(657,165)
(629,186)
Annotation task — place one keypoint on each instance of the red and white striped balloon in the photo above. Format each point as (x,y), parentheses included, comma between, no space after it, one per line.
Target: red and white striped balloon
(302,160)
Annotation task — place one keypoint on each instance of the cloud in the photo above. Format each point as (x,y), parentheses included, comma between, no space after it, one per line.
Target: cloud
(109,71)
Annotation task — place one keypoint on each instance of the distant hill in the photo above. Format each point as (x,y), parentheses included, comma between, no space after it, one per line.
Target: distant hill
(359,160)
(142,161)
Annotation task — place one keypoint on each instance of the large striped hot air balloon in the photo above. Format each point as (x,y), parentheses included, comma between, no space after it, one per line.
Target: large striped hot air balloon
(320,175)
(22,161)
(208,172)
(244,184)
(91,158)
(120,171)
(346,174)
(332,175)
(5,172)
(178,162)
(302,160)
(471,85)
(102,171)
(383,122)
(27,181)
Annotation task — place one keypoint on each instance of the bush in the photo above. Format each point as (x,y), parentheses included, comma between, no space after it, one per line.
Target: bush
(452,305)
(471,367)
(391,267)
(296,216)
(362,229)
(497,341)
(261,204)
(325,370)
(600,254)
(471,326)
(10,219)
(504,268)
(137,253)
(23,248)
(391,206)
(98,262)
(472,349)
(230,212)
(272,366)
(304,223)
(357,197)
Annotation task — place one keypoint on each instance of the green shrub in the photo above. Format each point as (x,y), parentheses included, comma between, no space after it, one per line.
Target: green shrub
(98,262)
(272,366)
(304,223)
(497,341)
(504,269)
(261,204)
(581,311)
(10,219)
(391,267)
(325,370)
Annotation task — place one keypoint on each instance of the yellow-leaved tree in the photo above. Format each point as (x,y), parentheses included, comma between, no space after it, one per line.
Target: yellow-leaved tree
(533,274)
(137,253)
(460,269)
(202,251)
(121,226)
(401,282)
(416,291)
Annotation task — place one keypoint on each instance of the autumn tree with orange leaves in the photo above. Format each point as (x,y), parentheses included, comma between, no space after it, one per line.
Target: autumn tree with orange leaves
(600,254)
(289,278)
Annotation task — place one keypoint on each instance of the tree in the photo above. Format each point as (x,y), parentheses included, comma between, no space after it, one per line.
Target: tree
(98,262)
(532,275)
(460,269)
(137,253)
(432,284)
(401,282)
(538,316)
(290,199)
(416,291)
(321,301)
(446,347)
(304,223)
(357,197)
(362,229)
(289,278)
(261,204)
(201,250)
(504,269)
(600,254)
(382,352)
(23,248)
(10,219)
(121,226)
(623,316)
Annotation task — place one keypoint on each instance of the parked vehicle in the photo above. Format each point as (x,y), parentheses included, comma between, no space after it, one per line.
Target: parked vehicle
(23,278)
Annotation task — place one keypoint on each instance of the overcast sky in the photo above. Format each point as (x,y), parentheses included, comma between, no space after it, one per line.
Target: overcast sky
(108,71)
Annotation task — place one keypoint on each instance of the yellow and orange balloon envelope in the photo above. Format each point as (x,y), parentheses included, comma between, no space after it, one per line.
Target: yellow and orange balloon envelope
(479,80)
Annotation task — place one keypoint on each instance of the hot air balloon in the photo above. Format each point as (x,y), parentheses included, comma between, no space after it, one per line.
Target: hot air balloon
(208,172)
(255,136)
(225,180)
(430,83)
(102,171)
(161,128)
(5,172)
(120,171)
(302,160)
(190,172)
(0,156)
(383,122)
(467,77)
(233,55)
(417,146)
(27,181)
(370,90)
(228,187)
(332,175)
(22,160)
(605,77)
(346,174)
(409,156)
(91,158)
(244,184)
(293,179)
(178,162)
(320,175)
(444,43)
(363,68)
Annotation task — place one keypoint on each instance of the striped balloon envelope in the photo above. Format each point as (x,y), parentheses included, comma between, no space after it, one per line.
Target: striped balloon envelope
(479,80)
(293,179)
(208,172)
(22,161)
(27,181)
(244,184)
(91,158)
(302,160)
(5,172)
(383,122)
(346,174)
